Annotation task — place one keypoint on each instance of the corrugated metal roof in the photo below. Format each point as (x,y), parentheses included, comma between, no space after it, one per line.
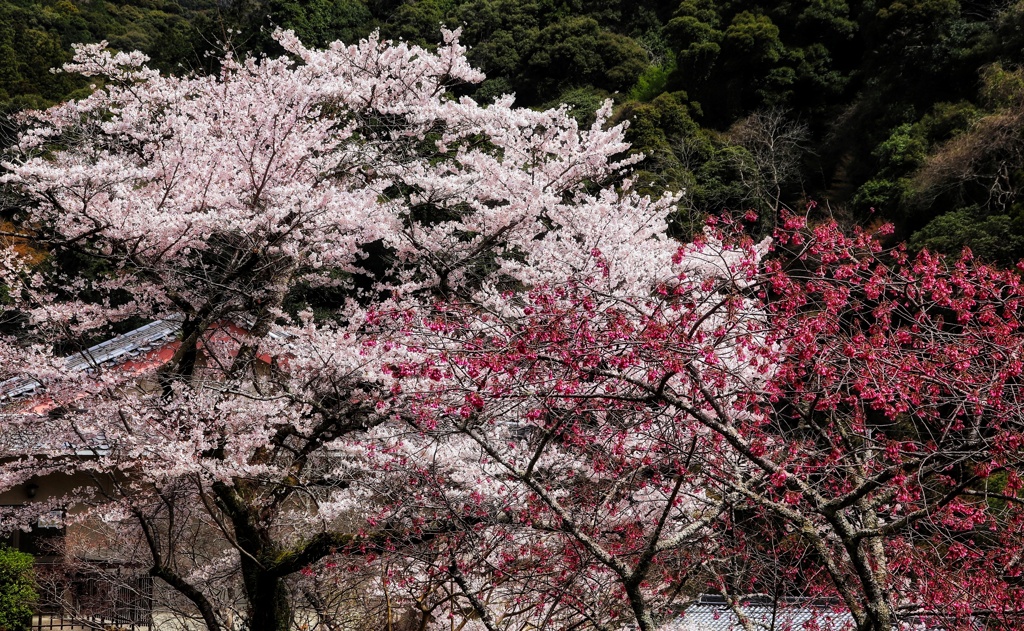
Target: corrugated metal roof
(108,353)
(711,612)
(709,615)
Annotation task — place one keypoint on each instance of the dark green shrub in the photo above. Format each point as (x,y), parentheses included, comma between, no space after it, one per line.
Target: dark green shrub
(17,590)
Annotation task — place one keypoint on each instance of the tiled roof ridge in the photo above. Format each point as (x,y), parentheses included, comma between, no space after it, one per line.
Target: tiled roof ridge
(110,352)
(768,600)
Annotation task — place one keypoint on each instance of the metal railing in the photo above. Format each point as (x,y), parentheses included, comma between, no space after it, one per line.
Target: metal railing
(100,601)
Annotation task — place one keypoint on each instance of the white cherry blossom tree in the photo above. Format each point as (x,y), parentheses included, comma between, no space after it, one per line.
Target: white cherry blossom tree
(214,201)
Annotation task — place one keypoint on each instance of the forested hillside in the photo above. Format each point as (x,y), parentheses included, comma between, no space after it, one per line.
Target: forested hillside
(909,111)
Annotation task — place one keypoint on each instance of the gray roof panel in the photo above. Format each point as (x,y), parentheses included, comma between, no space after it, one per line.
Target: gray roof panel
(107,353)
(703,616)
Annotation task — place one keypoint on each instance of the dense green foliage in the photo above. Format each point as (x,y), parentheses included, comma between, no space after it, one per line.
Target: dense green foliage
(37,36)
(17,590)
(906,110)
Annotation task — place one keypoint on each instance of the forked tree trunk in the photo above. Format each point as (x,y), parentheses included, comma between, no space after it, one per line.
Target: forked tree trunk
(266,599)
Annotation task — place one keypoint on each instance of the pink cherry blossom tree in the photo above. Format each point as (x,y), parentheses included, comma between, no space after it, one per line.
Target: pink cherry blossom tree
(843,422)
(899,417)
(615,490)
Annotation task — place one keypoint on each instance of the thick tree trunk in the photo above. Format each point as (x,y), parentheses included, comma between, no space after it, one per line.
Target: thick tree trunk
(266,599)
